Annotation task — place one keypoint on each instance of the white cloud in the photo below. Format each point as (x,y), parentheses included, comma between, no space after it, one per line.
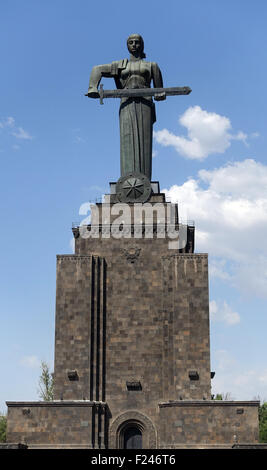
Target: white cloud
(31,362)
(222,312)
(207,133)
(72,245)
(229,205)
(238,179)
(218,269)
(7,122)
(79,140)
(255,135)
(240,136)
(20,133)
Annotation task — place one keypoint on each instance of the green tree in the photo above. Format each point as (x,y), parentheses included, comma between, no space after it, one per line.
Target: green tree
(3,422)
(218,396)
(224,396)
(46,383)
(263,422)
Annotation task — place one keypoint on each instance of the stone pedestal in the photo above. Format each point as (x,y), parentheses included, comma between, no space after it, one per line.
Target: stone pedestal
(132,342)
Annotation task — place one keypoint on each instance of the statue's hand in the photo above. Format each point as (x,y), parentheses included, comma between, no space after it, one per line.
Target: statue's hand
(160,96)
(92,92)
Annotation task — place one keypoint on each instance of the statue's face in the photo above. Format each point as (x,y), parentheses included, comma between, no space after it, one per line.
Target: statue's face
(134,44)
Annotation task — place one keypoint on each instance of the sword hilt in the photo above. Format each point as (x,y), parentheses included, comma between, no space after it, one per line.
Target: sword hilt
(101,94)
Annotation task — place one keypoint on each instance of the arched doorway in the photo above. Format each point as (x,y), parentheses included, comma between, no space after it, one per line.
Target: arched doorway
(132,437)
(132,428)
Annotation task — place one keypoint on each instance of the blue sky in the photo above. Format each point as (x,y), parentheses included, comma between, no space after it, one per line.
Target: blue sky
(59,150)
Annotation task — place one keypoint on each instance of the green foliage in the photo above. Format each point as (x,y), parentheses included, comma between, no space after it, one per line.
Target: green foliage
(224,396)
(3,422)
(263,422)
(46,383)
(218,396)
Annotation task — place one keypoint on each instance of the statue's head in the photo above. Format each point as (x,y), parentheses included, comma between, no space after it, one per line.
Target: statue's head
(135,44)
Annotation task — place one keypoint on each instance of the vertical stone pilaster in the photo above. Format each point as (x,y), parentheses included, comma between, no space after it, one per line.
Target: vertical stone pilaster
(167,327)
(98,329)
(80,328)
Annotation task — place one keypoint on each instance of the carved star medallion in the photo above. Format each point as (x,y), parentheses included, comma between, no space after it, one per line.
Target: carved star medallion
(134,187)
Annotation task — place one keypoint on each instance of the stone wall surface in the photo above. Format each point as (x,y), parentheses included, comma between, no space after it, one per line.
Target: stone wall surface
(208,423)
(184,424)
(148,307)
(58,424)
(80,326)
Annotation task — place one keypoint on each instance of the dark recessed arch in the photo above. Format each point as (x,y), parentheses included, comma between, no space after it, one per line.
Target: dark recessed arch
(131,435)
(134,426)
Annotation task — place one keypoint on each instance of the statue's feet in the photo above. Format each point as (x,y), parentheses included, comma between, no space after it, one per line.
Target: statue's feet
(92,92)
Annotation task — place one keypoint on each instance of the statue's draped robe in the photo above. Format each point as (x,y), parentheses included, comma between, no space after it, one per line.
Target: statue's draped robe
(137,115)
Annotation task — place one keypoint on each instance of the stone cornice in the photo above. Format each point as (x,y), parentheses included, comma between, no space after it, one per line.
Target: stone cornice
(80,259)
(60,403)
(196,403)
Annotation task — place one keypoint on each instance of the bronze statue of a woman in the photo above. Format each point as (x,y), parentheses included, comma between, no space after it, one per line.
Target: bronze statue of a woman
(137,114)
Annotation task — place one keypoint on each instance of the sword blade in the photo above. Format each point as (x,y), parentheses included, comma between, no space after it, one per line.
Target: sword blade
(143,92)
(139,92)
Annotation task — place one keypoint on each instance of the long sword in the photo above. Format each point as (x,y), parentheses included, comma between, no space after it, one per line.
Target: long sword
(138,92)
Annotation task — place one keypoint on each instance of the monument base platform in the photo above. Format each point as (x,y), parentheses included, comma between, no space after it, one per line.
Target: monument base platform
(188,424)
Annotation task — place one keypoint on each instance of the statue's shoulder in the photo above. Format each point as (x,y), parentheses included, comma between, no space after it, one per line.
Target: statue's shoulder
(152,65)
(120,64)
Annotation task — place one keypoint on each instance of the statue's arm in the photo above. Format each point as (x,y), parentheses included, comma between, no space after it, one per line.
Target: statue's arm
(97,73)
(157,81)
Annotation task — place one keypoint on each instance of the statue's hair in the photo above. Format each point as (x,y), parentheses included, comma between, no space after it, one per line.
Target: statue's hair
(143,55)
